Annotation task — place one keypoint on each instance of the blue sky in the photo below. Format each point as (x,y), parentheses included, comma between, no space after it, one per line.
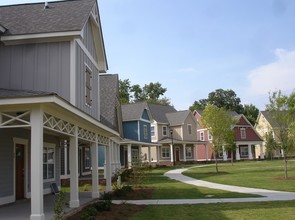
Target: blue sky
(193,47)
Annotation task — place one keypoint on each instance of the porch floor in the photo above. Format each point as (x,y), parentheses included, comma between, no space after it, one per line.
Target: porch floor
(22,209)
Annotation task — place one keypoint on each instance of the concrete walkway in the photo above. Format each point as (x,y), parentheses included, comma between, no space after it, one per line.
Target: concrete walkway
(268,195)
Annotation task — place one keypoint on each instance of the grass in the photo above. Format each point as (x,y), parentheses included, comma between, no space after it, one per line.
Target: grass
(165,188)
(220,211)
(257,174)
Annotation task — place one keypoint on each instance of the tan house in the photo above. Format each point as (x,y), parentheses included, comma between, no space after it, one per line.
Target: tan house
(174,132)
(264,125)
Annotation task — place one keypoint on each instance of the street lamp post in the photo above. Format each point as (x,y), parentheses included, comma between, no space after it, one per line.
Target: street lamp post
(171,134)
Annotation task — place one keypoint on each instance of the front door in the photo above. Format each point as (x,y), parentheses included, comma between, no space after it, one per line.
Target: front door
(19,171)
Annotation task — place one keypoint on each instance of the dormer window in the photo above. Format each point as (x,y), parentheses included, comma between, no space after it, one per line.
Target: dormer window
(243,133)
(145,132)
(88,86)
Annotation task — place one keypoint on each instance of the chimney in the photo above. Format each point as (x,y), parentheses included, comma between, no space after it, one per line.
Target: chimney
(46,5)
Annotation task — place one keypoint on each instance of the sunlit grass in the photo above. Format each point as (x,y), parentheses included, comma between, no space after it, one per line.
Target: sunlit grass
(256,174)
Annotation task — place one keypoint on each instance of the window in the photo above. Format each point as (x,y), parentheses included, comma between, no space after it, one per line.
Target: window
(88,86)
(189,128)
(145,132)
(209,136)
(165,152)
(243,133)
(202,136)
(188,152)
(87,160)
(164,130)
(244,151)
(48,162)
(152,131)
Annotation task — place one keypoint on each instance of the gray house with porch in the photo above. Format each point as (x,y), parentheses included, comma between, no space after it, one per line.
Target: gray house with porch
(51,56)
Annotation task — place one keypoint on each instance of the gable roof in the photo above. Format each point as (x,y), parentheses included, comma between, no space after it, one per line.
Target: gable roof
(35,18)
(110,108)
(270,120)
(159,111)
(177,118)
(133,111)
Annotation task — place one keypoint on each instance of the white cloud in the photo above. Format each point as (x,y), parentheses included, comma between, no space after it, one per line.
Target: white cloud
(278,75)
(187,69)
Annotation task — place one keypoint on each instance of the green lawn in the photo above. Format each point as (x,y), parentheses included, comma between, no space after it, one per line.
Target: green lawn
(257,174)
(165,188)
(220,211)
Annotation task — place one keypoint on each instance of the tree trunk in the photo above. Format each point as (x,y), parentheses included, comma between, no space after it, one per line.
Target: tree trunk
(216,164)
(232,157)
(286,168)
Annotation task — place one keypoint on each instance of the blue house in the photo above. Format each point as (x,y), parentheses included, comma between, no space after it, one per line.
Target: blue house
(136,132)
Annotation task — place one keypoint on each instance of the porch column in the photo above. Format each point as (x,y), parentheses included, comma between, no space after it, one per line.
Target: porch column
(238,153)
(139,154)
(117,147)
(74,176)
(37,205)
(129,158)
(261,152)
(195,152)
(149,154)
(94,164)
(108,169)
(184,152)
(250,156)
(157,153)
(224,154)
(172,153)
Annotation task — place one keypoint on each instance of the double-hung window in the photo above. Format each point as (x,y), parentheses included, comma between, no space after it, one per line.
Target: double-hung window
(165,152)
(87,160)
(145,132)
(243,133)
(88,86)
(152,131)
(164,130)
(189,128)
(202,138)
(48,162)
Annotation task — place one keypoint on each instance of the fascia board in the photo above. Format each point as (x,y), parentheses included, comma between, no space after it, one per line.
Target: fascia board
(42,37)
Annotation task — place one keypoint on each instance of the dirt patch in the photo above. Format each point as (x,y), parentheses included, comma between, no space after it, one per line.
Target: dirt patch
(120,212)
(219,173)
(283,178)
(137,193)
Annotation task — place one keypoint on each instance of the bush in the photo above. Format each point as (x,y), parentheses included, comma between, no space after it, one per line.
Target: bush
(89,214)
(121,190)
(103,205)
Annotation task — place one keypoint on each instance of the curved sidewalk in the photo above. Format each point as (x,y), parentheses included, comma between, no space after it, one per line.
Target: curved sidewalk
(268,195)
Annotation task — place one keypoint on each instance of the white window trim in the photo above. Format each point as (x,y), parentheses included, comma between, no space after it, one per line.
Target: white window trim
(209,136)
(88,70)
(51,146)
(243,133)
(89,153)
(153,134)
(186,152)
(164,126)
(202,135)
(145,132)
(168,151)
(242,150)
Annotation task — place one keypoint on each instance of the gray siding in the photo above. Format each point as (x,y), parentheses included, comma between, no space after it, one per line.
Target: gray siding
(7,159)
(40,67)
(88,40)
(82,59)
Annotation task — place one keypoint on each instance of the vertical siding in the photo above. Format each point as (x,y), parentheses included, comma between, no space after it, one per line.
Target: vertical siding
(82,59)
(88,39)
(41,67)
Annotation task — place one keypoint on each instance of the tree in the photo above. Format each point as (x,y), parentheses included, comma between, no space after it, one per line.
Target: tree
(251,113)
(149,92)
(226,99)
(124,91)
(270,144)
(219,123)
(281,109)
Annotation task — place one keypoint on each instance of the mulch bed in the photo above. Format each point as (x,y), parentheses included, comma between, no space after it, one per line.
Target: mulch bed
(120,212)
(283,178)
